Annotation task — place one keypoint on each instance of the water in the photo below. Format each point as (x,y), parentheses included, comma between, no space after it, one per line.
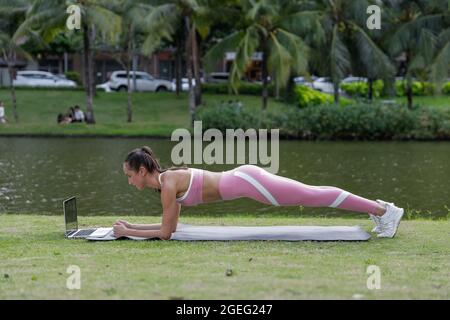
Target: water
(36,174)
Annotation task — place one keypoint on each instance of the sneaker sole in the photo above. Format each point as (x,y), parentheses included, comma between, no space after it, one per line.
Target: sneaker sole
(374,230)
(397,224)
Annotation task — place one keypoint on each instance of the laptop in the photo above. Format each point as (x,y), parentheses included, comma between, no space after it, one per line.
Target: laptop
(71,220)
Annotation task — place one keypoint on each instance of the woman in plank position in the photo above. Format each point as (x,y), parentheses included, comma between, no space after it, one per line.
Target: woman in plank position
(191,186)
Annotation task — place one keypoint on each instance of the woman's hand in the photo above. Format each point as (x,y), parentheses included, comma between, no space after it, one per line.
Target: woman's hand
(125,223)
(120,230)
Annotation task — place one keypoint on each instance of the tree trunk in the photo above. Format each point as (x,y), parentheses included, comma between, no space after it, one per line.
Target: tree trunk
(264,77)
(134,65)
(189,70)
(129,57)
(93,69)
(277,86)
(370,91)
(336,93)
(66,62)
(88,74)
(178,68)
(196,67)
(13,91)
(409,93)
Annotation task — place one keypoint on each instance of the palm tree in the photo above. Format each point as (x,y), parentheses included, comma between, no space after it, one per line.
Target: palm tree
(417,32)
(48,18)
(440,68)
(264,26)
(12,14)
(340,42)
(132,15)
(163,21)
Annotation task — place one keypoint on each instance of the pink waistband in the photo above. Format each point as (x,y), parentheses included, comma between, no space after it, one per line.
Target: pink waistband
(193,195)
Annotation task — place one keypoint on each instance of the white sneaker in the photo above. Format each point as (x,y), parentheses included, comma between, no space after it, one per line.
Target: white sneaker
(376,219)
(390,220)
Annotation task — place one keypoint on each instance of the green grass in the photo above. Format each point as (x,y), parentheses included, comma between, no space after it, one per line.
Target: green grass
(154,114)
(437,101)
(34,257)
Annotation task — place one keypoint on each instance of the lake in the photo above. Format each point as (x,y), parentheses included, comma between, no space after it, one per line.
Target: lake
(36,174)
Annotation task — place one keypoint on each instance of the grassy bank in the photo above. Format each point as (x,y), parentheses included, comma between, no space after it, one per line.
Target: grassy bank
(34,258)
(154,114)
(436,101)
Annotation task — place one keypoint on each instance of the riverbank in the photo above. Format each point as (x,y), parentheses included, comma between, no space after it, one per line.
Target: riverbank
(34,257)
(157,115)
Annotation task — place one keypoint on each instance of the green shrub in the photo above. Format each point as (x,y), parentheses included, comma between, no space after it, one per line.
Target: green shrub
(224,116)
(307,97)
(446,88)
(361,89)
(361,121)
(418,88)
(74,76)
(246,88)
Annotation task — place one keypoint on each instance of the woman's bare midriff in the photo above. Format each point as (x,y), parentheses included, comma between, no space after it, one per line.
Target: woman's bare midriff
(210,185)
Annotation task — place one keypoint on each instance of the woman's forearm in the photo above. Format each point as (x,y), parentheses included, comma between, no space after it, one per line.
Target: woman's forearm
(149,234)
(155,226)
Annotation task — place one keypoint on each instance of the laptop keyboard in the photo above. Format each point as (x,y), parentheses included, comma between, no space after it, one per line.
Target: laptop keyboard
(85,232)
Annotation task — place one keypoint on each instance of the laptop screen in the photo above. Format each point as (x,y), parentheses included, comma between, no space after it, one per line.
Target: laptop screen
(70,214)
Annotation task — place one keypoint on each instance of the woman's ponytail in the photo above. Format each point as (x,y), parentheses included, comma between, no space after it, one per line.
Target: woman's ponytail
(145,156)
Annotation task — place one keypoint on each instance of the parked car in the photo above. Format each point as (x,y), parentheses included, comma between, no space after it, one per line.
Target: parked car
(104,86)
(36,78)
(352,79)
(303,81)
(184,84)
(324,84)
(144,82)
(218,77)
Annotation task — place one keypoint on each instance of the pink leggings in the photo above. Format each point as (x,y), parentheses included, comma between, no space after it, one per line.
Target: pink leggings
(256,183)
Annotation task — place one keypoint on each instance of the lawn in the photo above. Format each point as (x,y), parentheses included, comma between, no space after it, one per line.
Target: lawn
(34,257)
(437,101)
(155,114)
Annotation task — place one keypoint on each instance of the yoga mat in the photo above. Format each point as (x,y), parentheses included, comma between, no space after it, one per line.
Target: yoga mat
(187,232)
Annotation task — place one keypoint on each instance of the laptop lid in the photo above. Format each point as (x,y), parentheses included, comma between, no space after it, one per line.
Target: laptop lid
(70,214)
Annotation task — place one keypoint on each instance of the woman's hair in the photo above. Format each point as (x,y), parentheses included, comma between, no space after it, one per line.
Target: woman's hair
(145,157)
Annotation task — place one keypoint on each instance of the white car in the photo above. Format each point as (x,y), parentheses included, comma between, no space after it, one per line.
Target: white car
(41,79)
(104,86)
(325,85)
(352,79)
(184,84)
(303,81)
(218,77)
(144,82)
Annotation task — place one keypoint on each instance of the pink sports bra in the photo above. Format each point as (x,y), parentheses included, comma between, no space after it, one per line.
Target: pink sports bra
(193,195)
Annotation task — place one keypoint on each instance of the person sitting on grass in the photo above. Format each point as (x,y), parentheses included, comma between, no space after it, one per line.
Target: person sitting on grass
(2,113)
(63,119)
(78,115)
(190,186)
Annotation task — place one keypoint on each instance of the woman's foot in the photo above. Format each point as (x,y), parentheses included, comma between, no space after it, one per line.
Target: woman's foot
(390,220)
(377,221)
